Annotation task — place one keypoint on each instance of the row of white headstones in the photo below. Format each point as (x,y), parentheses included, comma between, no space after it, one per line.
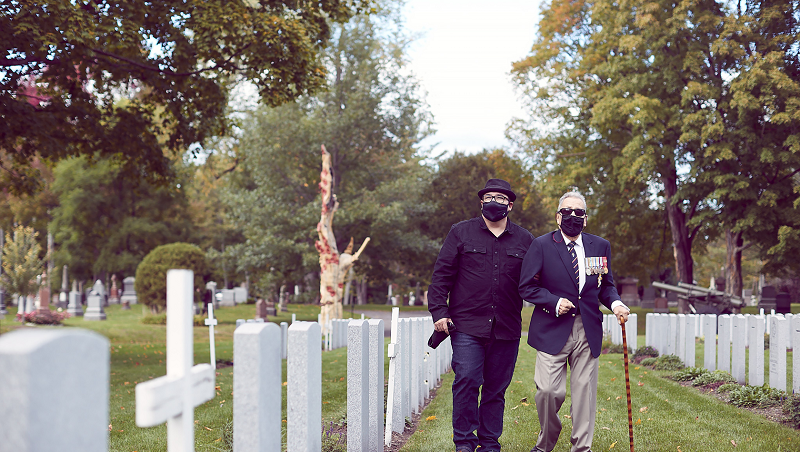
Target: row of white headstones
(726,340)
(58,380)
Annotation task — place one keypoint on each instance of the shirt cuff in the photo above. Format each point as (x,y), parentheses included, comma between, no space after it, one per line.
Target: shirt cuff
(558,305)
(614,304)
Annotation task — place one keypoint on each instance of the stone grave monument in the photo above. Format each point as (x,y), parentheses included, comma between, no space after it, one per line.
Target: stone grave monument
(94,303)
(649,297)
(113,293)
(768,301)
(261,309)
(128,291)
(74,307)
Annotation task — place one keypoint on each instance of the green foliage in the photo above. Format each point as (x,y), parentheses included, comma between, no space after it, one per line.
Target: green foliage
(460,176)
(646,351)
(791,409)
(21,261)
(668,362)
(649,361)
(107,221)
(66,64)
(608,347)
(756,396)
(371,121)
(689,374)
(151,274)
(728,387)
(332,438)
(713,377)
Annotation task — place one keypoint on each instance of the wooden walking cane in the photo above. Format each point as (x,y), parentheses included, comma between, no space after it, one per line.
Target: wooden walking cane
(627,382)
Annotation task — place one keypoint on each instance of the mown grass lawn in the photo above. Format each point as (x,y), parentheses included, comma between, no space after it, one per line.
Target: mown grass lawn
(672,418)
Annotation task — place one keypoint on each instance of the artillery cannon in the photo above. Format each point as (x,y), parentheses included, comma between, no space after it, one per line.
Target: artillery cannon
(702,300)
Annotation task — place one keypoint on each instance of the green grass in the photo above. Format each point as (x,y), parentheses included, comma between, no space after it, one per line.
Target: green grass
(673,417)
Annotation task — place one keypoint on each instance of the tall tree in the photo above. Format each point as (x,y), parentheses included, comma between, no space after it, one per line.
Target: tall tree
(67,63)
(371,121)
(22,262)
(107,221)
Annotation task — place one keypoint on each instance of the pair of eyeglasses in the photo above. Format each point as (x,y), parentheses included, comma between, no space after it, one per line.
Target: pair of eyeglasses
(568,212)
(499,198)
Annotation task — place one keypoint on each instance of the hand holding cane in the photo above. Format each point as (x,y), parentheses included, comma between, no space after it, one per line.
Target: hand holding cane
(627,382)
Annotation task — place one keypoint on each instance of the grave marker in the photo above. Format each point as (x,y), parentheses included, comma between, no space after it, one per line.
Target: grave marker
(376,378)
(73,390)
(257,385)
(755,329)
(777,352)
(211,322)
(710,341)
(94,303)
(358,386)
(172,398)
(304,376)
(794,331)
(724,343)
(738,368)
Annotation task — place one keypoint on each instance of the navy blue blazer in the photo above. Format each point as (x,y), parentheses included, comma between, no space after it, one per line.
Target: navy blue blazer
(547,275)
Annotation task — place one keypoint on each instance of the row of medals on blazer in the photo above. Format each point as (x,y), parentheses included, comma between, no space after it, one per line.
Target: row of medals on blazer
(597,266)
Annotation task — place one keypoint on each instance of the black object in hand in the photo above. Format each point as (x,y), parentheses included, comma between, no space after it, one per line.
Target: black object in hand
(438,336)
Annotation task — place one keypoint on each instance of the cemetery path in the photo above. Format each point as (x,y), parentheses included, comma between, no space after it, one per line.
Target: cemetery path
(386,316)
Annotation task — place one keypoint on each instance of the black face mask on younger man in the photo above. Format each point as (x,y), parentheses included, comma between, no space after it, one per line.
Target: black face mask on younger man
(494,211)
(571,225)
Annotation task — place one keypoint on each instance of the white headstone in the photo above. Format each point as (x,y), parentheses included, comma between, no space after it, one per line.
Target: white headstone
(257,385)
(129,290)
(672,335)
(406,362)
(54,388)
(284,339)
(304,388)
(94,304)
(690,325)
(376,378)
(710,341)
(239,295)
(74,307)
(680,348)
(755,330)
(393,401)
(172,398)
(724,343)
(648,329)
(358,386)
(777,352)
(794,331)
(738,367)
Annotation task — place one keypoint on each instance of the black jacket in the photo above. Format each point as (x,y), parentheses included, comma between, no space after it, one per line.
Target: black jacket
(480,274)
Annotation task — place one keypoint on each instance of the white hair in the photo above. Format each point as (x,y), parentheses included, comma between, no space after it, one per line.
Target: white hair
(572,194)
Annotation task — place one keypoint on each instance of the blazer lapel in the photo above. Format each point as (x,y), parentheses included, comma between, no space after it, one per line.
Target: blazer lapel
(566,259)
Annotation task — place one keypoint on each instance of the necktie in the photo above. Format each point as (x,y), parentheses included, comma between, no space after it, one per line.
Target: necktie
(571,248)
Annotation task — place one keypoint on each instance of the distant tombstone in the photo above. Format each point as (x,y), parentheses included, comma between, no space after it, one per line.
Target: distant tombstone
(282,299)
(44,295)
(660,304)
(721,284)
(629,294)
(94,304)
(239,295)
(74,307)
(128,290)
(649,297)
(113,293)
(62,296)
(767,301)
(227,298)
(261,309)
(271,310)
(783,303)
(672,298)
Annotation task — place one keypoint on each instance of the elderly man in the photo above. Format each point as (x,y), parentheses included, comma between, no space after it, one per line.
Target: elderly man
(478,271)
(566,275)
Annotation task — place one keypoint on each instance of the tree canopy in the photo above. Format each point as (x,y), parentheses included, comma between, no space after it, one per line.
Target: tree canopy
(67,66)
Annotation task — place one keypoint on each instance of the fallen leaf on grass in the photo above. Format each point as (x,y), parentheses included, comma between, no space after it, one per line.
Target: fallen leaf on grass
(619,397)
(523,400)
(613,378)
(639,421)
(568,416)
(636,368)
(285,383)
(640,384)
(733,442)
(643,409)
(612,445)
(430,418)
(210,430)
(605,428)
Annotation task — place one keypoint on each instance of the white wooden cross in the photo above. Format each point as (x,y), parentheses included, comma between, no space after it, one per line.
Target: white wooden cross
(211,321)
(172,398)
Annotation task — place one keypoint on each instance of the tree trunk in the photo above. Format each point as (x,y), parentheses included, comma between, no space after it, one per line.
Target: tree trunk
(333,266)
(733,263)
(682,243)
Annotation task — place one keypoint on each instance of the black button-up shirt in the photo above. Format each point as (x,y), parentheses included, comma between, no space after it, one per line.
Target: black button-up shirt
(480,274)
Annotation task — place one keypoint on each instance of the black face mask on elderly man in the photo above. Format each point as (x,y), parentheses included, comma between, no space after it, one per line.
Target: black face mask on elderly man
(571,225)
(494,211)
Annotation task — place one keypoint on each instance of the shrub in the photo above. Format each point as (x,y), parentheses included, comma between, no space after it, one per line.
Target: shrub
(609,347)
(713,377)
(761,396)
(649,361)
(668,362)
(689,374)
(791,409)
(728,387)
(46,317)
(644,352)
(151,274)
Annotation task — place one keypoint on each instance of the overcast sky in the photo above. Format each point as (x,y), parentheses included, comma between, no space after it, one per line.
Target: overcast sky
(463,59)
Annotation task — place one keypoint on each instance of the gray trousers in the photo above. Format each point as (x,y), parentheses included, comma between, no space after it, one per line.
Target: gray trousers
(551,390)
